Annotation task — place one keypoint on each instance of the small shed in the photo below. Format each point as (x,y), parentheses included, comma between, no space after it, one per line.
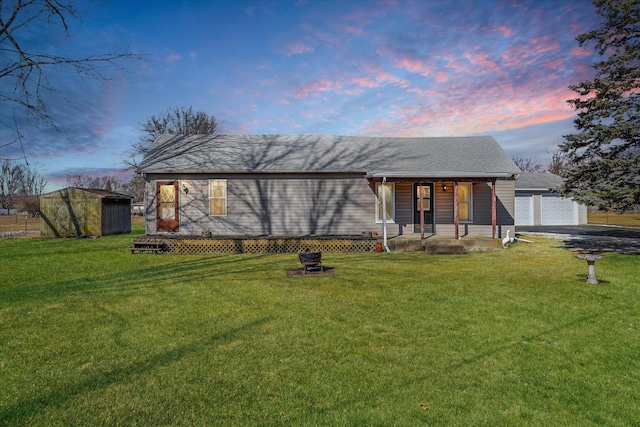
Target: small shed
(76,211)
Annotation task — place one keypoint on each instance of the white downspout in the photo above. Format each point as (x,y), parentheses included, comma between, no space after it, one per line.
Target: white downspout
(384,214)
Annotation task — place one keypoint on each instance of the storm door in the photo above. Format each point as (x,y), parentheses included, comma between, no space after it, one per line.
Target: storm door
(167,197)
(426,197)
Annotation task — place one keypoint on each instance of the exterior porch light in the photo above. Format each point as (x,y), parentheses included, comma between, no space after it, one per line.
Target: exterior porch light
(444,187)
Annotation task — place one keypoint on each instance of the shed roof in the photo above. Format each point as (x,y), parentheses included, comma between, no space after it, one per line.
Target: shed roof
(374,156)
(538,181)
(102,194)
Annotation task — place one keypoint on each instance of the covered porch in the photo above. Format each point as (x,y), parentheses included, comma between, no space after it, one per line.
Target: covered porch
(452,207)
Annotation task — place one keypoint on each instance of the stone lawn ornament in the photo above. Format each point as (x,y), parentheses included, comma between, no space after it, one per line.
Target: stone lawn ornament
(591,259)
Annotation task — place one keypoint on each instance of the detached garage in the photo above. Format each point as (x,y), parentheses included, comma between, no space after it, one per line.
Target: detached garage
(536,204)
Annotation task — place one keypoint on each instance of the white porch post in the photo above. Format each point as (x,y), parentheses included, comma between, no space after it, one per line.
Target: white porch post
(456,210)
(421,212)
(493,209)
(384,213)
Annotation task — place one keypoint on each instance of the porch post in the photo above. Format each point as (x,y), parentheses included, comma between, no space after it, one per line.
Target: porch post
(384,214)
(456,210)
(493,209)
(421,211)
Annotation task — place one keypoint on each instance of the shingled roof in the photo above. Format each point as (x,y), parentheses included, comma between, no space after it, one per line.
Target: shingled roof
(476,156)
(538,181)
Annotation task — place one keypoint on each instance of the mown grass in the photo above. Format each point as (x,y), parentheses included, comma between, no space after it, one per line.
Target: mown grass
(92,335)
(623,220)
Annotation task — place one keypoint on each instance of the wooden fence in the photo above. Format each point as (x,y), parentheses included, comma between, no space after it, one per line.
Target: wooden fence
(19,223)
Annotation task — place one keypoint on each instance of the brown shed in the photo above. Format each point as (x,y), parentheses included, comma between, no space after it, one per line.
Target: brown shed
(84,212)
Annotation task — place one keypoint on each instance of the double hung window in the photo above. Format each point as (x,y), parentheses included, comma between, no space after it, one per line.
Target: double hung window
(390,201)
(465,201)
(218,197)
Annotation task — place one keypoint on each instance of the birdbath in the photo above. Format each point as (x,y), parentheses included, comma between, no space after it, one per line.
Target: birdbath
(591,261)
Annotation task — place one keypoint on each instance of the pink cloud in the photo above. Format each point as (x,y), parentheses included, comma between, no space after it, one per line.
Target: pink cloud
(581,51)
(482,61)
(441,77)
(544,44)
(365,82)
(379,78)
(504,30)
(383,76)
(458,112)
(353,30)
(298,48)
(553,64)
(173,57)
(314,87)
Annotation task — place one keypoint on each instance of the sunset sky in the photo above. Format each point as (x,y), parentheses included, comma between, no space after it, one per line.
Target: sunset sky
(387,68)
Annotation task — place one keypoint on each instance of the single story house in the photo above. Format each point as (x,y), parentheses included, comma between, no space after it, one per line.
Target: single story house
(301,185)
(537,204)
(76,211)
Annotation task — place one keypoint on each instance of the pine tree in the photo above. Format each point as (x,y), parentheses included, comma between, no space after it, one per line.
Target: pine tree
(605,152)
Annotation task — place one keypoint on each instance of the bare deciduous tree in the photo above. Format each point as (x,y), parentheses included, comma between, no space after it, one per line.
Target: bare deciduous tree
(34,183)
(527,165)
(558,162)
(135,188)
(25,85)
(105,182)
(176,120)
(11,179)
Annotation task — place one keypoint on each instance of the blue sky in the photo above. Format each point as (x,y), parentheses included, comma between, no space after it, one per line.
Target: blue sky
(391,68)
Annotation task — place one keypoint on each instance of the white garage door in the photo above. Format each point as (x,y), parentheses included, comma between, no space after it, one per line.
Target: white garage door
(558,211)
(524,209)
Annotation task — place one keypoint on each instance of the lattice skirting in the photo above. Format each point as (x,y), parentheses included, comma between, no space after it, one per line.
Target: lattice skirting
(238,245)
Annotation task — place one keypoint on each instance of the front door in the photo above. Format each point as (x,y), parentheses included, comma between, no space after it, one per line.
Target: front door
(167,197)
(426,196)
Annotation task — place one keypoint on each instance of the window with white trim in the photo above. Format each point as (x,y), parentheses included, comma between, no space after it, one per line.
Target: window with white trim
(390,201)
(465,201)
(218,197)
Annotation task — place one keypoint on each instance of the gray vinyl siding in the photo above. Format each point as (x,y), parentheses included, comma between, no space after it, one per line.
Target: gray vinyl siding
(340,204)
(294,206)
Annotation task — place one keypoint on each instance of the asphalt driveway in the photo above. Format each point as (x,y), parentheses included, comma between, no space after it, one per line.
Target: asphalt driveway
(595,238)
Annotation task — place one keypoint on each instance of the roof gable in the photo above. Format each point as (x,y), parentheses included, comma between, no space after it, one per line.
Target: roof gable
(538,181)
(90,192)
(375,156)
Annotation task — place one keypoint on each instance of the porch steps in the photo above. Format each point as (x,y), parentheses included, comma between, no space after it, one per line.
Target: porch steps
(147,247)
(444,246)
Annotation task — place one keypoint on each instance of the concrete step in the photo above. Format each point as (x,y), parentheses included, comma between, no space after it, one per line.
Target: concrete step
(443,245)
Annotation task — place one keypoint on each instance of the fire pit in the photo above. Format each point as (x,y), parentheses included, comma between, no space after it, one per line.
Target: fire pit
(311,260)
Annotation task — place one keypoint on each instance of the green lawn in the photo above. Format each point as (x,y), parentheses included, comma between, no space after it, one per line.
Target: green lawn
(92,335)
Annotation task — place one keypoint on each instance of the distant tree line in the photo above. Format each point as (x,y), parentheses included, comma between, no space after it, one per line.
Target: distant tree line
(20,184)
(133,187)
(557,163)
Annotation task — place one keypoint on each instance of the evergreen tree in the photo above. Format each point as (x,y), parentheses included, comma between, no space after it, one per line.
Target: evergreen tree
(605,152)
